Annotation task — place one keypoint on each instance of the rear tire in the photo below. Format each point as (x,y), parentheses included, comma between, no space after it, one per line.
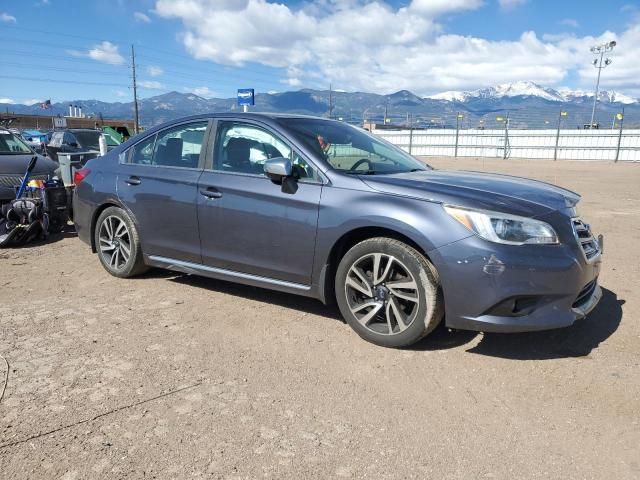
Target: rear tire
(388,292)
(118,244)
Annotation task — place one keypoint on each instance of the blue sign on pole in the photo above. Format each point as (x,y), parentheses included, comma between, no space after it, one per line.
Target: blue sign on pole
(245,96)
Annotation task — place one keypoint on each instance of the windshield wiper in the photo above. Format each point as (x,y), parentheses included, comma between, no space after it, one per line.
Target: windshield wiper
(360,172)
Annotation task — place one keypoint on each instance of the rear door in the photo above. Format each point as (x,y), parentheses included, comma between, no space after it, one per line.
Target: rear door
(247,224)
(158,183)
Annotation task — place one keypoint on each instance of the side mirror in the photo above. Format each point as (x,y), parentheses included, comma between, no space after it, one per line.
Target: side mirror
(73,144)
(277,169)
(280,171)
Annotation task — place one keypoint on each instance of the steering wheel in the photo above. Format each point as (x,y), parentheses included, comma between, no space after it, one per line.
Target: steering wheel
(360,162)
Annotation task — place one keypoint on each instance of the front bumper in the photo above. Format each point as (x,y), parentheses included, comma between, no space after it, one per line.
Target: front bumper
(490,287)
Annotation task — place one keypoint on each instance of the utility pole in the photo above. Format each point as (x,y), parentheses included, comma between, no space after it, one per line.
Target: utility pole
(506,137)
(410,123)
(386,108)
(555,151)
(621,118)
(598,63)
(330,102)
(458,117)
(135,91)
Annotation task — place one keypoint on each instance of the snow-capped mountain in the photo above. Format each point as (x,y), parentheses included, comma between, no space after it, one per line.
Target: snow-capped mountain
(603,96)
(532,89)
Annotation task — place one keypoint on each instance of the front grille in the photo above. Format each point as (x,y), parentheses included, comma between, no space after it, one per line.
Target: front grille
(16,180)
(588,244)
(585,293)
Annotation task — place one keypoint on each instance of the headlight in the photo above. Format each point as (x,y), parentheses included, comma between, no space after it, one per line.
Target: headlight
(503,228)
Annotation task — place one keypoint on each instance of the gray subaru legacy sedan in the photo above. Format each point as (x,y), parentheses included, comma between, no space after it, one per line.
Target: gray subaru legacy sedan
(316,207)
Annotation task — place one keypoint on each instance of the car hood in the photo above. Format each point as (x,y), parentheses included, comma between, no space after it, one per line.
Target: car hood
(503,193)
(17,164)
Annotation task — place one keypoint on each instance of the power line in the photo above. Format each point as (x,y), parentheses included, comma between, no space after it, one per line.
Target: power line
(74,82)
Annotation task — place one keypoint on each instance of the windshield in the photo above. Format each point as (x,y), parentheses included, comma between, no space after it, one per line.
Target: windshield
(351,150)
(12,144)
(88,140)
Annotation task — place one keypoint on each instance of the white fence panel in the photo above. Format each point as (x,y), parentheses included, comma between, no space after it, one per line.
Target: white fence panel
(572,144)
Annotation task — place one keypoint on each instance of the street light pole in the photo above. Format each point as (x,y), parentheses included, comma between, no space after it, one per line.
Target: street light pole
(599,63)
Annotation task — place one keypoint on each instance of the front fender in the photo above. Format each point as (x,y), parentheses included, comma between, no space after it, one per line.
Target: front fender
(343,210)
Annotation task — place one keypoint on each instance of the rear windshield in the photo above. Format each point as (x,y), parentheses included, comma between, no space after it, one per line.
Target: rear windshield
(12,144)
(88,140)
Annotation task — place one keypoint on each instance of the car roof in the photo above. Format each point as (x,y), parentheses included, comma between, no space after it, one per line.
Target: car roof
(266,116)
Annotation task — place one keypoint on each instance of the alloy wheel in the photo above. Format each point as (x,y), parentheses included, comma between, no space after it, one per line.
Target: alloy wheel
(115,242)
(382,293)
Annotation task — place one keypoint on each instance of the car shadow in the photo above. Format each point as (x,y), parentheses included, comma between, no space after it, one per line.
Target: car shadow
(577,340)
(287,300)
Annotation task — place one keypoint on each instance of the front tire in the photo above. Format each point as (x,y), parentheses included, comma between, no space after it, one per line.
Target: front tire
(118,244)
(388,292)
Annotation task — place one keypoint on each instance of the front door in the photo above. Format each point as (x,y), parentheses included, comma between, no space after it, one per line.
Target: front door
(247,224)
(158,183)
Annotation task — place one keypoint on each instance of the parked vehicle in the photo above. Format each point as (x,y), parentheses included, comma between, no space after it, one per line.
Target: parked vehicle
(76,140)
(319,208)
(36,139)
(15,156)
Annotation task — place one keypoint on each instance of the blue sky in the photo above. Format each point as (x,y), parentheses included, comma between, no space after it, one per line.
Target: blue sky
(65,50)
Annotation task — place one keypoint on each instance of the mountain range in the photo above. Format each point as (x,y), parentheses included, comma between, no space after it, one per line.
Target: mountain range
(527,105)
(531,89)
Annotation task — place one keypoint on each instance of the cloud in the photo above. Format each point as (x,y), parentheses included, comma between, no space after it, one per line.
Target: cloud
(32,101)
(105,52)
(372,46)
(154,70)
(120,93)
(7,100)
(5,17)
(141,17)
(42,3)
(150,84)
(570,22)
(204,92)
(511,4)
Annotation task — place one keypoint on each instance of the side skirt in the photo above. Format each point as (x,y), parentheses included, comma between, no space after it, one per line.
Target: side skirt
(230,275)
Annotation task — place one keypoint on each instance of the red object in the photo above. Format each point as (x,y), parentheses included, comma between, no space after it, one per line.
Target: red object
(80,175)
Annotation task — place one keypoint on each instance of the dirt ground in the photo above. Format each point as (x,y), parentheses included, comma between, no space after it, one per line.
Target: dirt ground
(171,376)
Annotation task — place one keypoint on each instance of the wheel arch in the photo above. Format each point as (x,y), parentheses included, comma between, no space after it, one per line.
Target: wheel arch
(346,242)
(98,211)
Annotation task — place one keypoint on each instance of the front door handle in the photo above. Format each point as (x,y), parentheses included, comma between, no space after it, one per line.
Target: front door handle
(133,180)
(210,192)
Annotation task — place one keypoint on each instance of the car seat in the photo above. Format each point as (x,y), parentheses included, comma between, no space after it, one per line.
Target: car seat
(171,153)
(238,155)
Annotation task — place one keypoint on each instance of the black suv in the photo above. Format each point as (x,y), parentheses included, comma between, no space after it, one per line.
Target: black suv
(75,140)
(15,156)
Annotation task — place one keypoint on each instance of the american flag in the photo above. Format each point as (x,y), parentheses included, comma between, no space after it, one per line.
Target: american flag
(46,104)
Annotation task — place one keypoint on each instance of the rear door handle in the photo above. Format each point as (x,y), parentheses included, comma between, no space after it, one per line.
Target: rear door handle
(210,192)
(133,180)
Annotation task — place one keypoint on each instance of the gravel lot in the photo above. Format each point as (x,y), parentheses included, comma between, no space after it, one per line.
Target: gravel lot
(171,376)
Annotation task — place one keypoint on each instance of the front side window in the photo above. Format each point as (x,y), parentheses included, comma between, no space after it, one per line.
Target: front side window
(243,148)
(349,149)
(175,147)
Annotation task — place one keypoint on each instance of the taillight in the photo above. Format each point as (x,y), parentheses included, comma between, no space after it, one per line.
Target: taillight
(80,175)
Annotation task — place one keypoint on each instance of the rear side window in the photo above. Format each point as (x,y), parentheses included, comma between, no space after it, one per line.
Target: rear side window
(56,139)
(175,147)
